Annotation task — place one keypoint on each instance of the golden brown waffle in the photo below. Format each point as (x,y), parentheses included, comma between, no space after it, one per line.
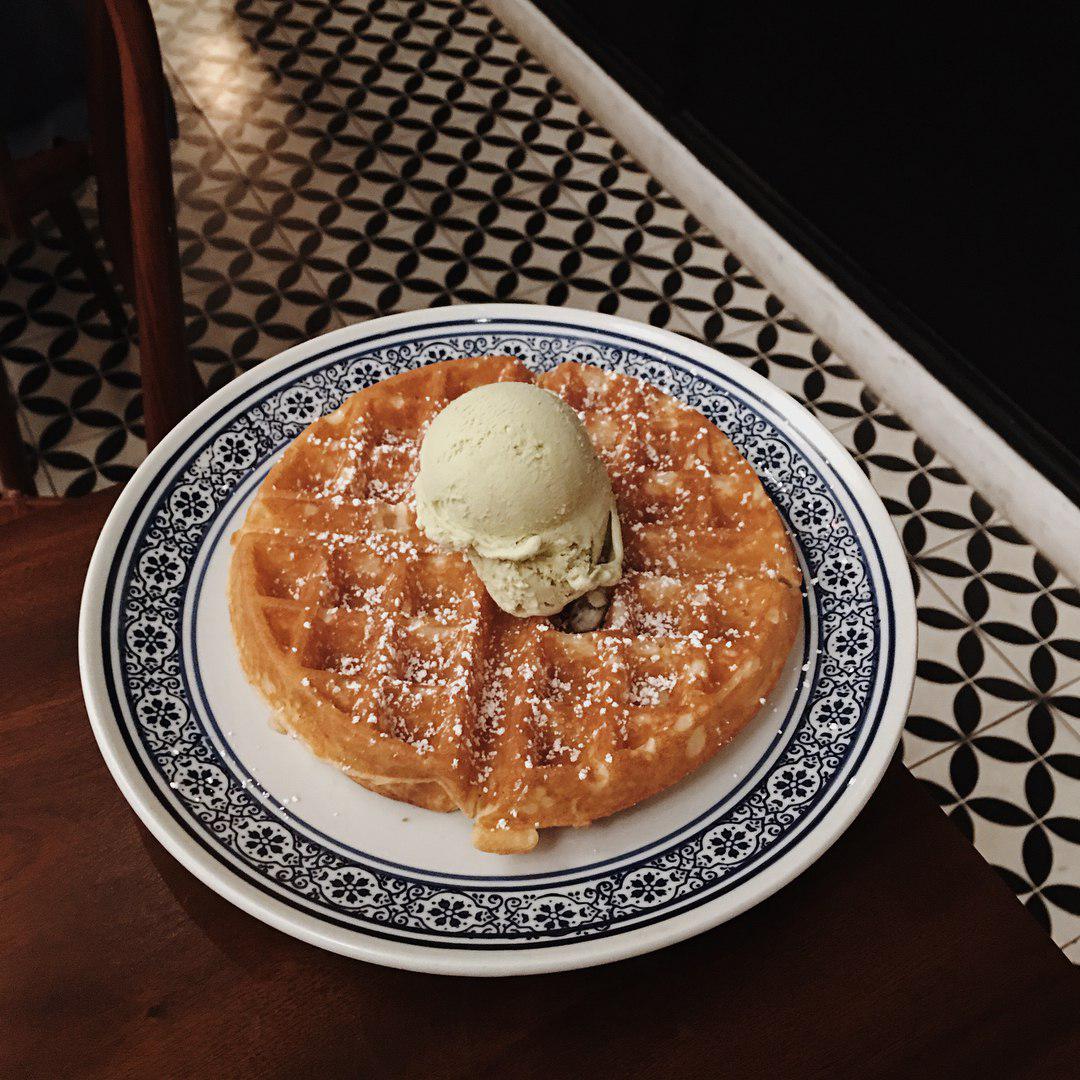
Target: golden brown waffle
(388,658)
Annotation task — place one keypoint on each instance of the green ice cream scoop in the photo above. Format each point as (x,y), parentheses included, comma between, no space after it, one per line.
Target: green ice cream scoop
(509,476)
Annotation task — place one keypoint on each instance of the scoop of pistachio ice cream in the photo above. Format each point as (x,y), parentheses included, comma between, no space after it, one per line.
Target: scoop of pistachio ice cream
(508,475)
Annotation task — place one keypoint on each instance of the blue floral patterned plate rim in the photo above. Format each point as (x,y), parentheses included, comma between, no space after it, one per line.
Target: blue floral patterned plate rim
(157,681)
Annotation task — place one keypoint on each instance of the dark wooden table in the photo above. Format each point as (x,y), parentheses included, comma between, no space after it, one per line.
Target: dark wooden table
(899,953)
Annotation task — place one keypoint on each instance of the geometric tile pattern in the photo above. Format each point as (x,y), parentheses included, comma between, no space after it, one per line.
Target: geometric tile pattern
(1013,790)
(338,161)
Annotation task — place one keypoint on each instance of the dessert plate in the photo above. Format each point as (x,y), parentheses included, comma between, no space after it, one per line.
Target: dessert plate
(291,840)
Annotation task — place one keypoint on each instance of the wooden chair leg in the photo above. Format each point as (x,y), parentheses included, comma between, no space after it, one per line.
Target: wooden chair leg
(134,53)
(15,473)
(73,229)
(105,112)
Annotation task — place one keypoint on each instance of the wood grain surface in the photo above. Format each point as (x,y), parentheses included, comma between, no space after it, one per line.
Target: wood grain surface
(899,953)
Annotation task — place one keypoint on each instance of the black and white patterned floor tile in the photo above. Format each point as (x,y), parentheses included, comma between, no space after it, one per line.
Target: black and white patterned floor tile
(928,499)
(994,577)
(1012,788)
(339,160)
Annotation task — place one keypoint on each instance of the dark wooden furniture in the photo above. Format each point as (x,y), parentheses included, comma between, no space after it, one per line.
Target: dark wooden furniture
(124,52)
(16,473)
(47,181)
(127,110)
(900,953)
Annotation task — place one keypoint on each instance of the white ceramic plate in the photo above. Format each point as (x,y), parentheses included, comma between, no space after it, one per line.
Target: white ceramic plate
(292,841)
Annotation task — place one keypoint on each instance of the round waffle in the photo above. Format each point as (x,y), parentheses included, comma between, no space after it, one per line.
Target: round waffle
(385,654)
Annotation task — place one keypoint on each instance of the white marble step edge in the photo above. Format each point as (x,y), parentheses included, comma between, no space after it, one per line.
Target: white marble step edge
(1049,519)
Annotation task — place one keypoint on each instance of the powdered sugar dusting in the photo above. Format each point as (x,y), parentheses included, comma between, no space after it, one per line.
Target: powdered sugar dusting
(399,636)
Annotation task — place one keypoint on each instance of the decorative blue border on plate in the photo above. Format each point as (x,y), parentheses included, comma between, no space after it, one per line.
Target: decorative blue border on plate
(292,868)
